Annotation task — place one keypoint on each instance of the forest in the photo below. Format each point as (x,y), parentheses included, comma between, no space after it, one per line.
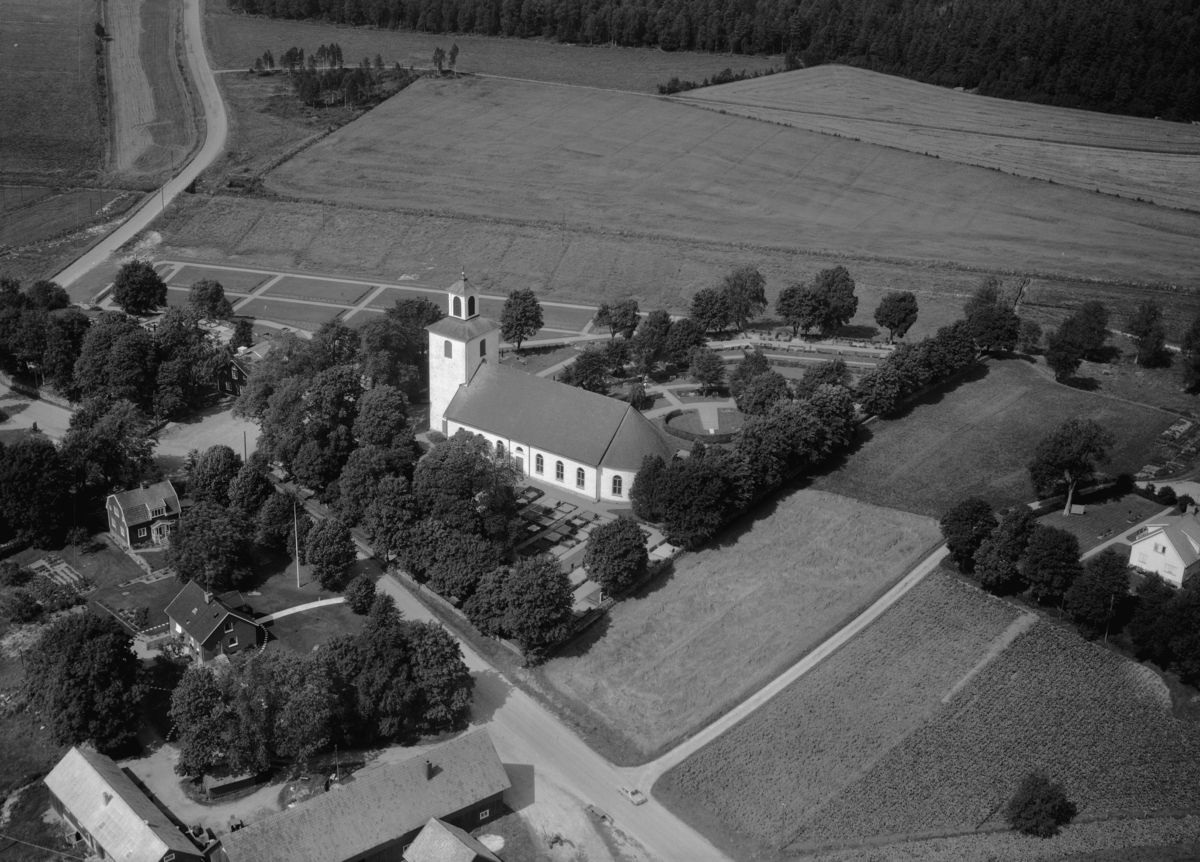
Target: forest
(1139,57)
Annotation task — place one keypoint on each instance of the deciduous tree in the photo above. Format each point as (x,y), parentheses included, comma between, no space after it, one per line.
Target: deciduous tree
(838,289)
(710,309)
(685,336)
(207,299)
(34,485)
(521,317)
(745,295)
(213,474)
(897,312)
(1190,348)
(964,527)
(762,394)
(382,418)
(832,373)
(1100,595)
(621,317)
(138,289)
(331,551)
(1149,333)
(248,491)
(803,307)
(707,368)
(360,594)
(209,546)
(589,370)
(1069,454)
(616,554)
(1051,563)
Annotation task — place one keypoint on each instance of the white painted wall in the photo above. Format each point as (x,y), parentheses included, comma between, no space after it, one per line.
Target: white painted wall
(529,456)
(446,374)
(606,477)
(1165,562)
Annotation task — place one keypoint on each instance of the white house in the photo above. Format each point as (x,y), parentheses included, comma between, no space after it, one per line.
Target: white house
(585,443)
(1169,548)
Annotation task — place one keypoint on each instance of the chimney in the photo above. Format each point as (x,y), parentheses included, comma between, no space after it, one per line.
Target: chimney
(428,770)
(208,597)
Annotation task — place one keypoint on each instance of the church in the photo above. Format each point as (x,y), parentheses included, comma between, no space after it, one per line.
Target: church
(579,441)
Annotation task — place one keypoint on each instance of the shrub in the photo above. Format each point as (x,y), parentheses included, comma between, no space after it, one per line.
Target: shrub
(1039,807)
(80,538)
(12,575)
(360,594)
(965,527)
(616,554)
(23,608)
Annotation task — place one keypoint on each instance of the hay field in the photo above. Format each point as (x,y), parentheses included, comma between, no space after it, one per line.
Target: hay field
(54,214)
(235,40)
(1099,723)
(975,439)
(644,166)
(729,618)
(1126,156)
(52,119)
(750,787)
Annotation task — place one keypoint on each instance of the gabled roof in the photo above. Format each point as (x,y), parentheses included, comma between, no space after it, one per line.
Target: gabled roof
(442,842)
(463,330)
(246,358)
(200,614)
(109,806)
(378,805)
(1183,532)
(136,504)
(584,426)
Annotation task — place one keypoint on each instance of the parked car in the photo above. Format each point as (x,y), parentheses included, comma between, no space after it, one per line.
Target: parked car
(635,796)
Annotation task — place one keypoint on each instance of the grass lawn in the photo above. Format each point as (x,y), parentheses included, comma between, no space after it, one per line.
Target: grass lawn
(390,297)
(1105,518)
(298,314)
(689,420)
(748,790)
(537,359)
(318,289)
(233,280)
(307,630)
(727,619)
(104,566)
(520,843)
(155,596)
(975,437)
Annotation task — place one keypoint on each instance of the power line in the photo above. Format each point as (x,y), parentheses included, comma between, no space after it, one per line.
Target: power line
(38,847)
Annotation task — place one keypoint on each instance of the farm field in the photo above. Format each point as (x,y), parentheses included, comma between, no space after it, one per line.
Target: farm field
(749,788)
(1100,724)
(1126,156)
(594,159)
(975,439)
(727,619)
(52,124)
(235,40)
(57,212)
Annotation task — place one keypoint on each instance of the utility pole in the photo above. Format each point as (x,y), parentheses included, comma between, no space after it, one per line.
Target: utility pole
(1111,599)
(296,536)
(245,455)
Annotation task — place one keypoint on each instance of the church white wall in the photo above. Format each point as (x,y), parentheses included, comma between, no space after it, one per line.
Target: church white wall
(529,456)
(606,486)
(447,374)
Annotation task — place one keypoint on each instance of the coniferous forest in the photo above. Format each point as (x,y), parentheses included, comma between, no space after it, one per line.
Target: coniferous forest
(1137,57)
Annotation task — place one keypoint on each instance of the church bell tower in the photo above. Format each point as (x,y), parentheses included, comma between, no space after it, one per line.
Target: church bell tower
(458,344)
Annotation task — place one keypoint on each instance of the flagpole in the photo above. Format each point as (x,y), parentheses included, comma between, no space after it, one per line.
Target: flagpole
(296,536)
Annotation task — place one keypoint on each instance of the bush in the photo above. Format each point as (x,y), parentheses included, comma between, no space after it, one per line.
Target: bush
(691,436)
(1039,807)
(616,554)
(360,594)
(80,538)
(23,608)
(12,575)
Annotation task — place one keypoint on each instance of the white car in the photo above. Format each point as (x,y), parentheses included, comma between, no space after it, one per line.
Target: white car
(635,796)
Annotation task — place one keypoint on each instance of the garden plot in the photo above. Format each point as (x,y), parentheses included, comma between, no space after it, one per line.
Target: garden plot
(299,314)
(233,280)
(319,289)
(725,620)
(749,788)
(1098,723)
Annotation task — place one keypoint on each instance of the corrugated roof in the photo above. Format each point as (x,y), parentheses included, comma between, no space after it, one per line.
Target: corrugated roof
(565,420)
(200,616)
(442,842)
(463,330)
(138,503)
(110,807)
(380,805)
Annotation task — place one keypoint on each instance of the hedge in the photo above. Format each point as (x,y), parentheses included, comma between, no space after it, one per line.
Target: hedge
(691,436)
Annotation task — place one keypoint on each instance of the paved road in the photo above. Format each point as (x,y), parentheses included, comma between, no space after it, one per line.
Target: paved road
(216,129)
(525,733)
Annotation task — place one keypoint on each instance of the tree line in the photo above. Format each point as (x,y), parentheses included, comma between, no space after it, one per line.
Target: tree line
(1128,57)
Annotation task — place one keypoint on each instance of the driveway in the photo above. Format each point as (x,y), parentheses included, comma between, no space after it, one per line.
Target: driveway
(207,428)
(24,412)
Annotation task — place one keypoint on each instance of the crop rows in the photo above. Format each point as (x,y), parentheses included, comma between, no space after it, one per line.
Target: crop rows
(823,731)
(1098,723)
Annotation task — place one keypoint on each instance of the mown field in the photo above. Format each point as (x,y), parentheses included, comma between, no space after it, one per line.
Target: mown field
(52,119)
(1126,156)
(976,439)
(235,40)
(1100,724)
(598,159)
(729,618)
(747,790)
(57,212)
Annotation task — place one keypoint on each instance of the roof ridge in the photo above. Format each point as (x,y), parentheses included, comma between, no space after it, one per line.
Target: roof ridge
(616,433)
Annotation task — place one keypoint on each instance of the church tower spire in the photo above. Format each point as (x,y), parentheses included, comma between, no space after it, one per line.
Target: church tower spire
(458,344)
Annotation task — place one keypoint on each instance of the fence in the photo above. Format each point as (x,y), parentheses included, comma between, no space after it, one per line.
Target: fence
(34,392)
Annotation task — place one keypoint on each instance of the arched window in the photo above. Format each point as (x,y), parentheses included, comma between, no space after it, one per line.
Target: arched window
(579,478)
(558,470)
(448,350)
(500,447)
(457,307)
(483,348)
(617,486)
(539,464)
(470,306)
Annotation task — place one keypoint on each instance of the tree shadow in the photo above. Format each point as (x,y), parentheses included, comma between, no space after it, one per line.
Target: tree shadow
(857,330)
(1106,355)
(582,643)
(937,392)
(491,693)
(198,416)
(1083,384)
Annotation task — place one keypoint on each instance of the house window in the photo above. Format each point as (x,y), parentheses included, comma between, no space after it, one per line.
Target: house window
(233,642)
(617,486)
(457,307)
(141,532)
(558,470)
(483,348)
(483,815)
(579,477)
(539,464)
(1160,549)
(470,306)
(159,512)
(448,350)
(1142,559)
(228,627)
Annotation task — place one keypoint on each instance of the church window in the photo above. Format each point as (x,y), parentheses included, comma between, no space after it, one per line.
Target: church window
(448,350)
(617,486)
(539,464)
(558,470)
(457,307)
(470,306)
(483,348)
(500,448)
(579,478)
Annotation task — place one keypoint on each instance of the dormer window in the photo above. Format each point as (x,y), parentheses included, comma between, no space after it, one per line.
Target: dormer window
(158,511)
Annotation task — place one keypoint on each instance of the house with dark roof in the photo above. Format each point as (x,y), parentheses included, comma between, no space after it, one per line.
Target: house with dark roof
(209,626)
(583,442)
(1170,548)
(106,811)
(233,376)
(441,842)
(143,516)
(379,811)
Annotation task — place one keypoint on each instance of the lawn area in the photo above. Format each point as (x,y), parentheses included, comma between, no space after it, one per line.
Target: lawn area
(61,213)
(103,565)
(1099,723)
(318,289)
(233,280)
(298,314)
(537,359)
(689,420)
(1105,518)
(976,438)
(308,630)
(729,618)
(390,297)
(154,596)
(748,790)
